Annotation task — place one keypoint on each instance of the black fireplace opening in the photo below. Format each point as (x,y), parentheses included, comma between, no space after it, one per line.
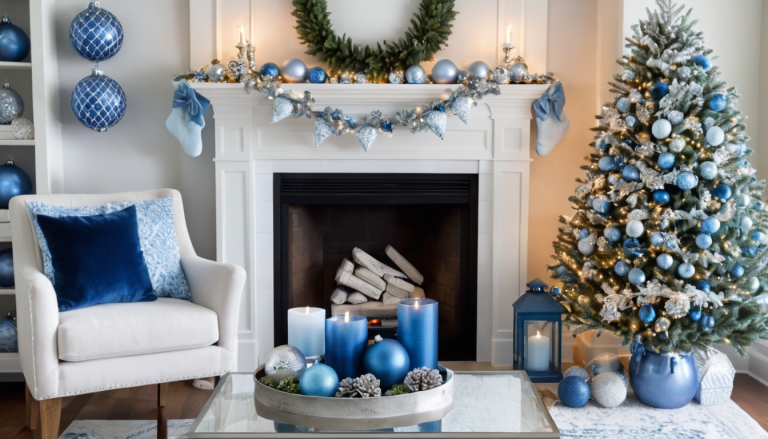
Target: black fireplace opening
(431,219)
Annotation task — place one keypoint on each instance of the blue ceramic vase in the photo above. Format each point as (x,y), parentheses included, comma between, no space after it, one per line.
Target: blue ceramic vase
(665,381)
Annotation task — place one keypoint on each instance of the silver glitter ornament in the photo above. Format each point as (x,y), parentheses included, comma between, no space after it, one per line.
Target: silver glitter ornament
(500,75)
(322,131)
(216,72)
(445,72)
(395,77)
(238,70)
(478,69)
(345,78)
(366,135)
(284,362)
(282,109)
(359,78)
(676,117)
(662,324)
(11,104)
(23,129)
(415,75)
(294,70)
(436,121)
(461,106)
(518,71)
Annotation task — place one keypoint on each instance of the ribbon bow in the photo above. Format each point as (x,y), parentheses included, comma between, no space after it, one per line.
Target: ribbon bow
(551,101)
(197,104)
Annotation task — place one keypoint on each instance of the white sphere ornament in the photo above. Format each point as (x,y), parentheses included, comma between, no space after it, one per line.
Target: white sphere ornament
(742,200)
(708,170)
(445,72)
(608,389)
(677,145)
(661,129)
(586,247)
(715,136)
(635,228)
(478,69)
(686,270)
(22,129)
(746,224)
(753,284)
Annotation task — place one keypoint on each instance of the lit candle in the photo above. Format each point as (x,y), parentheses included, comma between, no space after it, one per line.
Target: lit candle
(345,341)
(537,357)
(306,331)
(242,34)
(417,331)
(509,35)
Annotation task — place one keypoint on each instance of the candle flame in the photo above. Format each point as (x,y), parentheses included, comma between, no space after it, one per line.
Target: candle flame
(416,305)
(241,28)
(346,316)
(538,334)
(307,310)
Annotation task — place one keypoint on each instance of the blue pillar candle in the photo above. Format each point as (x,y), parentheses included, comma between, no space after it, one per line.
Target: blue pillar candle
(345,340)
(417,331)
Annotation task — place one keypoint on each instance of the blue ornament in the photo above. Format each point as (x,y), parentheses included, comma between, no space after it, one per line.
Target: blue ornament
(659,90)
(6,268)
(618,162)
(702,61)
(13,182)
(695,313)
(661,382)
(657,239)
(703,241)
(664,261)
(621,268)
(686,270)
(661,197)
(707,323)
(319,380)
(708,170)
(601,205)
(686,181)
(703,286)
(386,126)
(612,234)
(293,71)
(95,33)
(269,69)
(632,248)
(607,164)
(647,313)
(630,120)
(573,392)
(388,361)
(445,72)
(622,105)
(415,75)
(317,75)
(14,42)
(737,270)
(630,173)
(717,102)
(98,101)
(666,160)
(583,233)
(749,251)
(636,276)
(586,247)
(722,191)
(759,237)
(555,291)
(710,225)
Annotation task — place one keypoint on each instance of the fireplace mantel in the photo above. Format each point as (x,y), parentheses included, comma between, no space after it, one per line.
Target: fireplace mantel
(495,144)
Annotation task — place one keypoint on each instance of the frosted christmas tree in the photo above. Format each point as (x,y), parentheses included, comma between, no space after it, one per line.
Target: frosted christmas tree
(669,242)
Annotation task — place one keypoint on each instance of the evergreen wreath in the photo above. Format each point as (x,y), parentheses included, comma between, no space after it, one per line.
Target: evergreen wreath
(429,32)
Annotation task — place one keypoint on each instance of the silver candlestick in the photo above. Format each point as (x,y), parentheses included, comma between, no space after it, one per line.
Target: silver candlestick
(242,48)
(507,48)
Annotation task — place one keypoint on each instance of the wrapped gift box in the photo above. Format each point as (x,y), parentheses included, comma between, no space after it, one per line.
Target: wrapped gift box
(716,375)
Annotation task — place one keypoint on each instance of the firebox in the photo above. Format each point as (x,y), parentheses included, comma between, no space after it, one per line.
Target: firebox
(430,219)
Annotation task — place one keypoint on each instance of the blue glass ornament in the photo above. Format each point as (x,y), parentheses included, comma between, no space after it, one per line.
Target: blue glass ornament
(612,234)
(660,381)
(95,33)
(622,105)
(661,129)
(13,182)
(647,313)
(555,291)
(707,323)
(586,247)
(666,160)
(710,225)
(636,276)
(657,239)
(632,248)
(695,313)
(717,102)
(664,261)
(415,75)
(98,101)
(661,197)
(317,75)
(708,170)
(269,69)
(601,205)
(686,270)
(319,380)
(583,233)
(6,268)
(703,286)
(386,126)
(621,268)
(573,392)
(686,181)
(737,270)
(606,164)
(14,42)
(722,191)
(659,90)
(388,361)
(630,173)
(703,241)
(702,61)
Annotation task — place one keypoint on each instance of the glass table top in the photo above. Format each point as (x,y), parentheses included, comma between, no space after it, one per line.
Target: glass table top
(485,404)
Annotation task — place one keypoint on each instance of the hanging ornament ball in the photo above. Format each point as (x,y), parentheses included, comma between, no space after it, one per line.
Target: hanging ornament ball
(317,75)
(415,75)
(518,71)
(661,129)
(631,121)
(742,200)
(478,69)
(601,205)
(686,181)
(6,268)
(630,173)
(609,389)
(661,197)
(737,270)
(283,362)
(717,102)
(98,101)
(702,61)
(722,191)
(715,136)
(664,261)
(666,160)
(612,234)
(759,237)
(216,72)
(686,270)
(695,313)
(675,117)
(662,324)
(388,361)
(710,225)
(657,239)
(707,323)
(636,276)
(13,182)
(677,145)
(622,105)
(269,69)
(555,291)
(319,380)
(635,228)
(606,164)
(621,268)
(11,105)
(753,284)
(573,392)
(586,247)
(500,75)
(708,170)
(293,71)
(703,286)
(749,250)
(396,77)
(576,371)
(746,224)
(703,241)
(14,42)
(659,90)
(583,233)
(95,33)
(444,72)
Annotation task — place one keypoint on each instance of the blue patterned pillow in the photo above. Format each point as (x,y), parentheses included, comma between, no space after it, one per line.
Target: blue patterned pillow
(156,234)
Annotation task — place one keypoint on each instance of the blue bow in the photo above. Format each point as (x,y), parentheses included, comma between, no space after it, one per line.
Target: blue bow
(552,101)
(197,104)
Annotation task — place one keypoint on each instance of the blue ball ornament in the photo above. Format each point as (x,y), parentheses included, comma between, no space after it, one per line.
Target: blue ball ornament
(661,197)
(661,129)
(686,181)
(657,239)
(95,33)
(647,313)
(750,250)
(636,276)
(702,61)
(14,42)
(703,241)
(555,291)
(703,286)
(6,268)
(415,75)
(659,90)
(759,237)
(586,247)
(686,270)
(388,361)
(722,191)
(630,120)
(269,69)
(707,323)
(710,225)
(695,313)
(606,164)
(319,380)
(612,234)
(664,261)
(708,170)
(573,392)
(13,182)
(630,173)
(666,160)
(601,205)
(317,75)
(98,101)
(622,105)
(717,102)
(583,233)
(621,268)
(737,270)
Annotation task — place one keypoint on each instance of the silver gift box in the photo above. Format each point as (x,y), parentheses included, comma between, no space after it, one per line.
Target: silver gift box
(716,374)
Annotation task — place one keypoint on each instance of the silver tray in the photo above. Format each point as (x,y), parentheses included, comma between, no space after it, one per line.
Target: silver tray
(354,413)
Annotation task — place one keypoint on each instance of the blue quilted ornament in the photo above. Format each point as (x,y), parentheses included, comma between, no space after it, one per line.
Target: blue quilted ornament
(96,34)
(14,42)
(98,101)
(573,392)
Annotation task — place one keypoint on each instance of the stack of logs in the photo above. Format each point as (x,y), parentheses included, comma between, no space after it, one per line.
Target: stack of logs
(368,279)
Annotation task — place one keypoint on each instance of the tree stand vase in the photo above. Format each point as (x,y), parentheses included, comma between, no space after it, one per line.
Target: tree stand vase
(665,381)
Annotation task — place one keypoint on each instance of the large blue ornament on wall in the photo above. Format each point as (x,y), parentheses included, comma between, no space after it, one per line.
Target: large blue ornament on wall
(6,268)
(98,101)
(13,182)
(665,381)
(96,34)
(14,42)
(388,361)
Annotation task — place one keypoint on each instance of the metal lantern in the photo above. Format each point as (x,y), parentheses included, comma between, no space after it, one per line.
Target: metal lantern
(538,330)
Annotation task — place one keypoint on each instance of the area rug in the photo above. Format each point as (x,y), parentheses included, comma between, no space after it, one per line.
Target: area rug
(86,429)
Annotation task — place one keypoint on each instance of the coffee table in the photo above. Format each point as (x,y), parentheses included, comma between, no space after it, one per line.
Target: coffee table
(485,405)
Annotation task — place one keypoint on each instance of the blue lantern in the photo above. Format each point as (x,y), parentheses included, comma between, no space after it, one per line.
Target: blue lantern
(13,182)
(98,101)
(14,42)
(538,329)
(6,268)
(95,33)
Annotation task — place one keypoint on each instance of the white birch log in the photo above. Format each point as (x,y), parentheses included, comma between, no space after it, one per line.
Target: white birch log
(347,265)
(402,263)
(356,298)
(374,264)
(370,277)
(340,294)
(371,308)
(418,293)
(399,283)
(389,299)
(357,284)
(397,292)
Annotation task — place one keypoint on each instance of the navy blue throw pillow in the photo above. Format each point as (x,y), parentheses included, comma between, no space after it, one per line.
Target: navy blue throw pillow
(97,259)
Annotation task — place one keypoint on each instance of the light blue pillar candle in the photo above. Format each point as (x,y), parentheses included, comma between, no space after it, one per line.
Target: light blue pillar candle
(417,331)
(306,331)
(345,340)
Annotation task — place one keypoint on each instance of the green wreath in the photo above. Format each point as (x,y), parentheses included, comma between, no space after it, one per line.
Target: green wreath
(429,32)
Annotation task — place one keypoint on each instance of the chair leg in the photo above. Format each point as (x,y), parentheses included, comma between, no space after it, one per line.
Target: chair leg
(32,410)
(50,416)
(162,421)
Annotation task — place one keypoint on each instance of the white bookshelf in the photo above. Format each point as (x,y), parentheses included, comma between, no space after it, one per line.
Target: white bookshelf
(10,362)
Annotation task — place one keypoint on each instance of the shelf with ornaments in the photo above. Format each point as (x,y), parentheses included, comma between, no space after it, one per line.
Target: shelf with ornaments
(10,362)
(10,65)
(7,291)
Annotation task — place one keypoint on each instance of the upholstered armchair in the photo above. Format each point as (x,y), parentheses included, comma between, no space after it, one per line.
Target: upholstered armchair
(119,345)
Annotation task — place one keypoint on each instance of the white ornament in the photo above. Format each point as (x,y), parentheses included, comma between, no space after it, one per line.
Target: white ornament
(461,106)
(22,129)
(366,135)
(282,109)
(436,121)
(661,129)
(609,389)
(322,131)
(677,145)
(635,228)
(576,371)
(715,136)
(746,224)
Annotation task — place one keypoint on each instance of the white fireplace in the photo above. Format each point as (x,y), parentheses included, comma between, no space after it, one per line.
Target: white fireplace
(495,145)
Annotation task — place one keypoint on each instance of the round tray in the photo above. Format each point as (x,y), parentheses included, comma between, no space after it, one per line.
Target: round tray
(355,413)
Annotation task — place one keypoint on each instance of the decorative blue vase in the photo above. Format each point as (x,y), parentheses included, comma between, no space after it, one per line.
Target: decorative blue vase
(95,33)
(14,42)
(6,268)
(665,381)
(13,182)
(98,101)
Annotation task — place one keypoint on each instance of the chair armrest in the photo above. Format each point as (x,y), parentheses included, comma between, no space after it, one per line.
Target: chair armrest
(217,286)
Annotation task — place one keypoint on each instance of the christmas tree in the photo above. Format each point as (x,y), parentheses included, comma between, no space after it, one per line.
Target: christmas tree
(669,242)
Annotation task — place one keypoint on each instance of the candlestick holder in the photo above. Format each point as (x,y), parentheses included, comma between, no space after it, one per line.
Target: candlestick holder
(251,55)
(507,48)
(242,48)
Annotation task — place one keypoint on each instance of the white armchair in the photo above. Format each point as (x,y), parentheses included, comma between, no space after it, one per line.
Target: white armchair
(119,345)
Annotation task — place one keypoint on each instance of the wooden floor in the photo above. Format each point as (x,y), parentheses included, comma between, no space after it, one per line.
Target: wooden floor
(185,402)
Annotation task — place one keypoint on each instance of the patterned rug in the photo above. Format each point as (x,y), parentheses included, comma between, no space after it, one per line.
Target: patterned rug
(82,429)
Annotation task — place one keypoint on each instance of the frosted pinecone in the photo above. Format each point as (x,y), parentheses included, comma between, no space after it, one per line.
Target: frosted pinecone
(424,378)
(365,386)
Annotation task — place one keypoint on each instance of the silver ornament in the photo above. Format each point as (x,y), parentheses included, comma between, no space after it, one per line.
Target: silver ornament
(216,72)
(662,324)
(395,77)
(676,117)
(445,72)
(284,362)
(294,70)
(366,135)
(518,71)
(238,70)
(461,106)
(677,145)
(282,109)
(345,78)
(23,129)
(415,75)
(608,389)
(436,121)
(500,75)
(359,78)
(322,131)
(478,69)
